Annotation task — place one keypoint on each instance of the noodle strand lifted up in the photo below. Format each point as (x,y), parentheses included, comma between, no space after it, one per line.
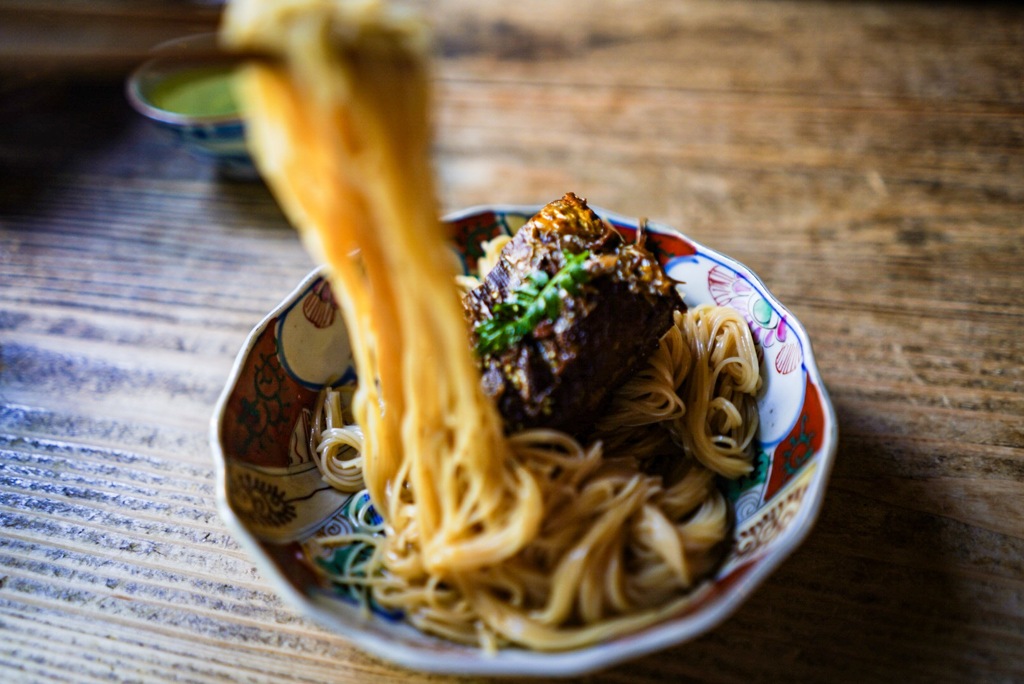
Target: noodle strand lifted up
(342,137)
(534,538)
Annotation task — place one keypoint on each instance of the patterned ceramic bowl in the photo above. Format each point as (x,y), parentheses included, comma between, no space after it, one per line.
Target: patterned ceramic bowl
(272,496)
(218,137)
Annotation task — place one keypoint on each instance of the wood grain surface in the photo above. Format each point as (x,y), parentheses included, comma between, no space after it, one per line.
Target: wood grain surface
(865,158)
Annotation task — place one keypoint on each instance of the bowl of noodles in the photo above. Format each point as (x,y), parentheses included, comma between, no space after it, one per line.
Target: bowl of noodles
(287,448)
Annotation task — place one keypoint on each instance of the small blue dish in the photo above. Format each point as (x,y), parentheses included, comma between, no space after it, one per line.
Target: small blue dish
(220,136)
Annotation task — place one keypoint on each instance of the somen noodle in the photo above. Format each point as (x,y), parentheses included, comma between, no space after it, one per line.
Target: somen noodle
(533,538)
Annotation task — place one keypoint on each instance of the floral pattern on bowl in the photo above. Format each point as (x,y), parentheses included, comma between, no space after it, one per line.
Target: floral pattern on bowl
(271,495)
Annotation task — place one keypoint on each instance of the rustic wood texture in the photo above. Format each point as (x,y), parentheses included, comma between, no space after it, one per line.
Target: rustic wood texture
(865,158)
(93,36)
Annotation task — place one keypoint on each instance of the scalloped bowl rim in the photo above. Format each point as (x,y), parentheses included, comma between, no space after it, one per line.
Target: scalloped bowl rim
(521,662)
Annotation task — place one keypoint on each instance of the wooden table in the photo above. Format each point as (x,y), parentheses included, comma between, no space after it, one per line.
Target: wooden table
(866,159)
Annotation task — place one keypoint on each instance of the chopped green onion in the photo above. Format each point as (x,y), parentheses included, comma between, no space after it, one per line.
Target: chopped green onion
(536,299)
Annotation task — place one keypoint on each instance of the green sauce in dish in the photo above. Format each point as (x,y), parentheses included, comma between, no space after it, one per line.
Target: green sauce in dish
(202,91)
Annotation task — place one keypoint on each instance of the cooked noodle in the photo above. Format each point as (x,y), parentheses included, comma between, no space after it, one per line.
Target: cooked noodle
(533,539)
(337,443)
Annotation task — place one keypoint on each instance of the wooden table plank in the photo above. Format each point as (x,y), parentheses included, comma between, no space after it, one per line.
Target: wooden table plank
(866,159)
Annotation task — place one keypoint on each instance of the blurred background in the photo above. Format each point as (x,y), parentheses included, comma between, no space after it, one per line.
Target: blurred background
(865,158)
